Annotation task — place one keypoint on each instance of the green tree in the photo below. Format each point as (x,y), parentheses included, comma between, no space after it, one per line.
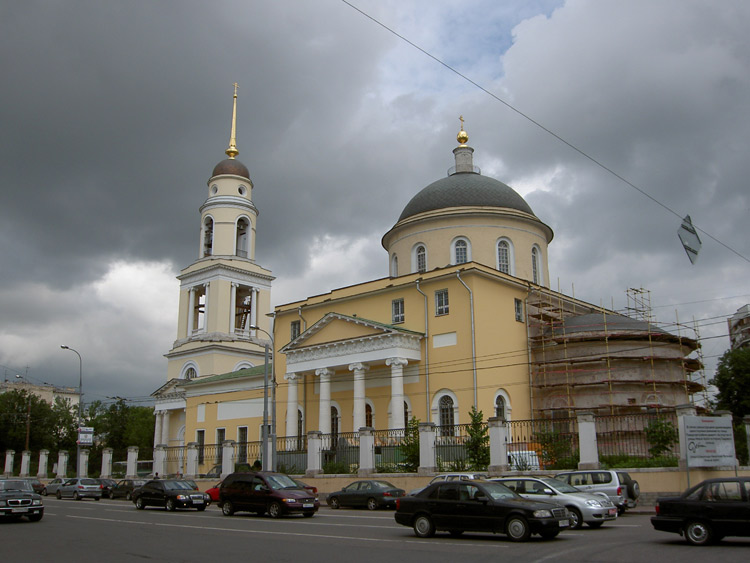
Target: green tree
(410,445)
(19,411)
(732,380)
(478,443)
(662,435)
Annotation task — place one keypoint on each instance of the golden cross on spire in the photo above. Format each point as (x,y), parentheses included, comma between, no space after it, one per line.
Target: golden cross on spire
(460,118)
(232,150)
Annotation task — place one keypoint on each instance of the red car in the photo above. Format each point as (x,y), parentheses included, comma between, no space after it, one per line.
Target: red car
(213,492)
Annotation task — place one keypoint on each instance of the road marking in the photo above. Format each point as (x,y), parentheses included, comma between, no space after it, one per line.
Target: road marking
(273,533)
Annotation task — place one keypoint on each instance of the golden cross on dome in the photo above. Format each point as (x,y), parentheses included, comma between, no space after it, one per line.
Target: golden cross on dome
(460,118)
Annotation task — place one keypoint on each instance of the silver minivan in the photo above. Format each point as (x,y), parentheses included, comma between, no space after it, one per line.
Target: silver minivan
(618,485)
(591,509)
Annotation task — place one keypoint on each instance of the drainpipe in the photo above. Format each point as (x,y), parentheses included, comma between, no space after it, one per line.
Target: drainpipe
(473,337)
(528,350)
(426,356)
(304,383)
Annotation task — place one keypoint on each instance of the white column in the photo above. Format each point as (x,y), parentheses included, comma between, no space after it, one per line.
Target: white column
(589,453)
(205,309)
(324,412)
(232,308)
(165,428)
(397,391)
(359,395)
(157,427)
(191,311)
(254,307)
(291,404)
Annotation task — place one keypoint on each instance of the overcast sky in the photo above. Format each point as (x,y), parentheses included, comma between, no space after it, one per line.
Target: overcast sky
(113,115)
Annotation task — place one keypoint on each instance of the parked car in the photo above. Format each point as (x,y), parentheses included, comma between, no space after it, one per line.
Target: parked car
(125,487)
(18,499)
(213,492)
(707,512)
(51,487)
(79,488)
(588,508)
(107,486)
(36,484)
(479,506)
(171,494)
(371,493)
(621,489)
(265,491)
(303,485)
(464,476)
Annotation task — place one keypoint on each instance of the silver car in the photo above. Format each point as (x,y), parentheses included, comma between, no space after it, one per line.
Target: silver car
(79,488)
(51,487)
(589,508)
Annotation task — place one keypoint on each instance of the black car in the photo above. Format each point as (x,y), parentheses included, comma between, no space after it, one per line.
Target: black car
(372,494)
(479,506)
(171,494)
(265,491)
(18,499)
(707,512)
(107,486)
(125,487)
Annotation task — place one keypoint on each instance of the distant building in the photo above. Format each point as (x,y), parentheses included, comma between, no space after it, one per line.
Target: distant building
(739,328)
(46,392)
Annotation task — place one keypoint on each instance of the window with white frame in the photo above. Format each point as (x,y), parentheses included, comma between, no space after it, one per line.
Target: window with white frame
(421,259)
(519,310)
(295,329)
(500,407)
(368,415)
(503,256)
(394,266)
(461,251)
(208,236)
(445,411)
(243,233)
(441,302)
(397,311)
(536,275)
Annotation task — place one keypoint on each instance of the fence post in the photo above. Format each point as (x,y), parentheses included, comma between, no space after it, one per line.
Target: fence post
(191,469)
(43,462)
(25,462)
(227,458)
(160,458)
(587,445)
(10,455)
(498,428)
(83,463)
(62,464)
(366,451)
(314,445)
(106,463)
(683,411)
(427,463)
(132,464)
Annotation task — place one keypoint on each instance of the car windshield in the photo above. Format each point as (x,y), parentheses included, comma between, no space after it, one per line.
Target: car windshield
(560,486)
(281,482)
(15,485)
(178,486)
(498,491)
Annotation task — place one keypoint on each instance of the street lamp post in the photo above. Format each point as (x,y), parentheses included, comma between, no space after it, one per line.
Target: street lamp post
(265,407)
(80,407)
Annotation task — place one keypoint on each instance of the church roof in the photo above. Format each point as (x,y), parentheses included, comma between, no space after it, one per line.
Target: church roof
(231,166)
(465,189)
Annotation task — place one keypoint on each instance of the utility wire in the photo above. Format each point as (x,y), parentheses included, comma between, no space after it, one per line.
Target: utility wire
(540,126)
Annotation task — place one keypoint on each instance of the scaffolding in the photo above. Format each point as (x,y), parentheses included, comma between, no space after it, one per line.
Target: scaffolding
(588,358)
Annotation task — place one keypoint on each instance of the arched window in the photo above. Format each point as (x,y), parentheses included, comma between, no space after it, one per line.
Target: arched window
(334,421)
(208,236)
(536,266)
(461,251)
(300,429)
(446,416)
(421,259)
(394,266)
(406,414)
(503,256)
(190,373)
(243,235)
(368,416)
(500,407)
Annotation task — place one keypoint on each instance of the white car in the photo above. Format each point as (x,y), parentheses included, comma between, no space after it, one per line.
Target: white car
(589,508)
(464,476)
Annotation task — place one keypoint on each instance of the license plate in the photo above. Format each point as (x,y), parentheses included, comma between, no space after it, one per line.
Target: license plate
(564,523)
(308,505)
(19,510)
(199,501)
(613,512)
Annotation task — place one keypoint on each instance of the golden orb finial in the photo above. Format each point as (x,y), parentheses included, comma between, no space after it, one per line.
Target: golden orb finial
(463,136)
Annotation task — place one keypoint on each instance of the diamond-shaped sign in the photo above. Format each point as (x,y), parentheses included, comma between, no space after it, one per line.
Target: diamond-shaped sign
(691,242)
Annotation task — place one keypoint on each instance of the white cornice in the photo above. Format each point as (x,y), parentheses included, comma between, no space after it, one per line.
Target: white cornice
(228,201)
(219,270)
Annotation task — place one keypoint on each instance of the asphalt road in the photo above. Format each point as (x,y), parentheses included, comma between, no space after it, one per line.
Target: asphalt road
(114,531)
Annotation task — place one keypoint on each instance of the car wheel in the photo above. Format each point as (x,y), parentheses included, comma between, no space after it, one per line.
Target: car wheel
(171,506)
(372,504)
(308,514)
(36,517)
(129,496)
(274,510)
(111,494)
(576,518)
(423,526)
(139,504)
(455,533)
(44,491)
(595,524)
(333,502)
(227,509)
(634,489)
(58,494)
(76,496)
(698,533)
(549,534)
(97,498)
(517,528)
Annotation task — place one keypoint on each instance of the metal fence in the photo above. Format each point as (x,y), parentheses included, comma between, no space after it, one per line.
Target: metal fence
(450,447)
(543,444)
(642,435)
(340,452)
(291,454)
(390,454)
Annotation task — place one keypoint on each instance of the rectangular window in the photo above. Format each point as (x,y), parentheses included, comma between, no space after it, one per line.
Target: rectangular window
(397,311)
(441,302)
(200,438)
(519,310)
(295,329)
(221,434)
(242,444)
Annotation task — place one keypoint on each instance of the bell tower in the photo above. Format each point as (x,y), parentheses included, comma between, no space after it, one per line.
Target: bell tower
(224,294)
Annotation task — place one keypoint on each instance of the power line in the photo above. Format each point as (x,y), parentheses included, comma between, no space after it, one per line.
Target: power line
(542,127)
